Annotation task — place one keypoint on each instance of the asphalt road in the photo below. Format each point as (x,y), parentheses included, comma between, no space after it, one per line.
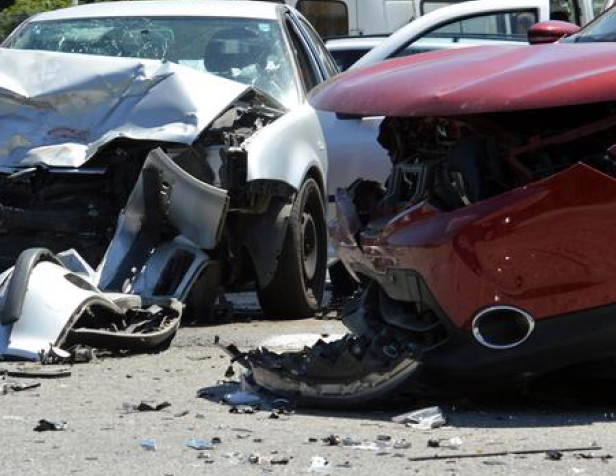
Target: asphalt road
(103,438)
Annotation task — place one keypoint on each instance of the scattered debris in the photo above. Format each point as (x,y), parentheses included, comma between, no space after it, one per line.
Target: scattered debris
(554,455)
(332,440)
(10,387)
(144,406)
(402,445)
(202,444)
(148,444)
(242,409)
(37,372)
(207,459)
(452,443)
(592,455)
(423,419)
(318,464)
(500,453)
(48,425)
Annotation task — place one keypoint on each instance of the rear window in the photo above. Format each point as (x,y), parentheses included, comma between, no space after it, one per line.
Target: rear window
(512,25)
(329,17)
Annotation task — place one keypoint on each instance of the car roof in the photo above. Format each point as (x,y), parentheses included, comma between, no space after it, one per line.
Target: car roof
(175,8)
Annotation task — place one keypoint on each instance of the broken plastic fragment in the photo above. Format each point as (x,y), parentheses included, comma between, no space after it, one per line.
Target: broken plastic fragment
(424,419)
(200,444)
(10,387)
(48,425)
(319,464)
(148,444)
(452,443)
(402,444)
(554,455)
(144,406)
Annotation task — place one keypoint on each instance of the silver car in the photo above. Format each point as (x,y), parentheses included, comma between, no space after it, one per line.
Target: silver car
(170,145)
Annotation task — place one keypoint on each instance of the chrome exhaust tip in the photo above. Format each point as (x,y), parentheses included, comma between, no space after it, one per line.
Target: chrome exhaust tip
(502,327)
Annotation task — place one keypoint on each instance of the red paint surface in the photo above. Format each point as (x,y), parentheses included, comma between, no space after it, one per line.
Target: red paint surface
(476,80)
(551,31)
(548,248)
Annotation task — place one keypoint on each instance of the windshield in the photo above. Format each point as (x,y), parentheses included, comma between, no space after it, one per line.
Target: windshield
(245,50)
(602,29)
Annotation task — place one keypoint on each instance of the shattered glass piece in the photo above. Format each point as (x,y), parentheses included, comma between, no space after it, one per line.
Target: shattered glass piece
(148,444)
(48,425)
(423,419)
(242,398)
(200,444)
(318,464)
(452,443)
(402,444)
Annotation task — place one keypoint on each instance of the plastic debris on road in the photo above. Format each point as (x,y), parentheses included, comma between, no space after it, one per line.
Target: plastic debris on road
(48,425)
(148,444)
(318,464)
(423,419)
(202,444)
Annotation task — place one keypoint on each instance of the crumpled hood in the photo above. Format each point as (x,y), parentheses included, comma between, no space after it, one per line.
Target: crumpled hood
(475,80)
(58,109)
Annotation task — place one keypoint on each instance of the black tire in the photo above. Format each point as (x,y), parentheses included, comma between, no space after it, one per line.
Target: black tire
(296,290)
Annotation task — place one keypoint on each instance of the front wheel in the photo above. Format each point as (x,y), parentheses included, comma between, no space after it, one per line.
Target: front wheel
(296,290)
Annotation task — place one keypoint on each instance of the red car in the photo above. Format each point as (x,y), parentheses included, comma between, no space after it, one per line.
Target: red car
(489,255)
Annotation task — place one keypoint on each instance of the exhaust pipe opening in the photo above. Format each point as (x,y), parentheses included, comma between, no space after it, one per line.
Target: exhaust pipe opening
(502,327)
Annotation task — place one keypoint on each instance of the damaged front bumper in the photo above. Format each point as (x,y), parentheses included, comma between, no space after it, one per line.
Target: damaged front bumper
(135,299)
(465,301)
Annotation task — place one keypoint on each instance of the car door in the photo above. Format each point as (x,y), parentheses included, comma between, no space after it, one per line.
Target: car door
(478,17)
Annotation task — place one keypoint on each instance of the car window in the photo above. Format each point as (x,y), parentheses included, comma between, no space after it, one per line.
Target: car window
(597,6)
(250,51)
(496,24)
(428,6)
(345,58)
(329,17)
(330,67)
(504,26)
(565,10)
(603,29)
(310,77)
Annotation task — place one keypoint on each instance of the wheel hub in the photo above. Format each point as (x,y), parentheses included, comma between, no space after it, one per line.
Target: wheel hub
(309,246)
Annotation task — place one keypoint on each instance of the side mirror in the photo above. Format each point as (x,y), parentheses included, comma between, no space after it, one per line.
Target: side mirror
(550,31)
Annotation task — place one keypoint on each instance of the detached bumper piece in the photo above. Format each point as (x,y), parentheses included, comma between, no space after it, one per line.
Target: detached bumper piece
(44,304)
(378,358)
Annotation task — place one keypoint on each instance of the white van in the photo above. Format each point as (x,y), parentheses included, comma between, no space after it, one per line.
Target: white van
(381,17)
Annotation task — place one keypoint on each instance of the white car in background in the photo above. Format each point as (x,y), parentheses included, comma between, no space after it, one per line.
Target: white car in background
(463,24)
